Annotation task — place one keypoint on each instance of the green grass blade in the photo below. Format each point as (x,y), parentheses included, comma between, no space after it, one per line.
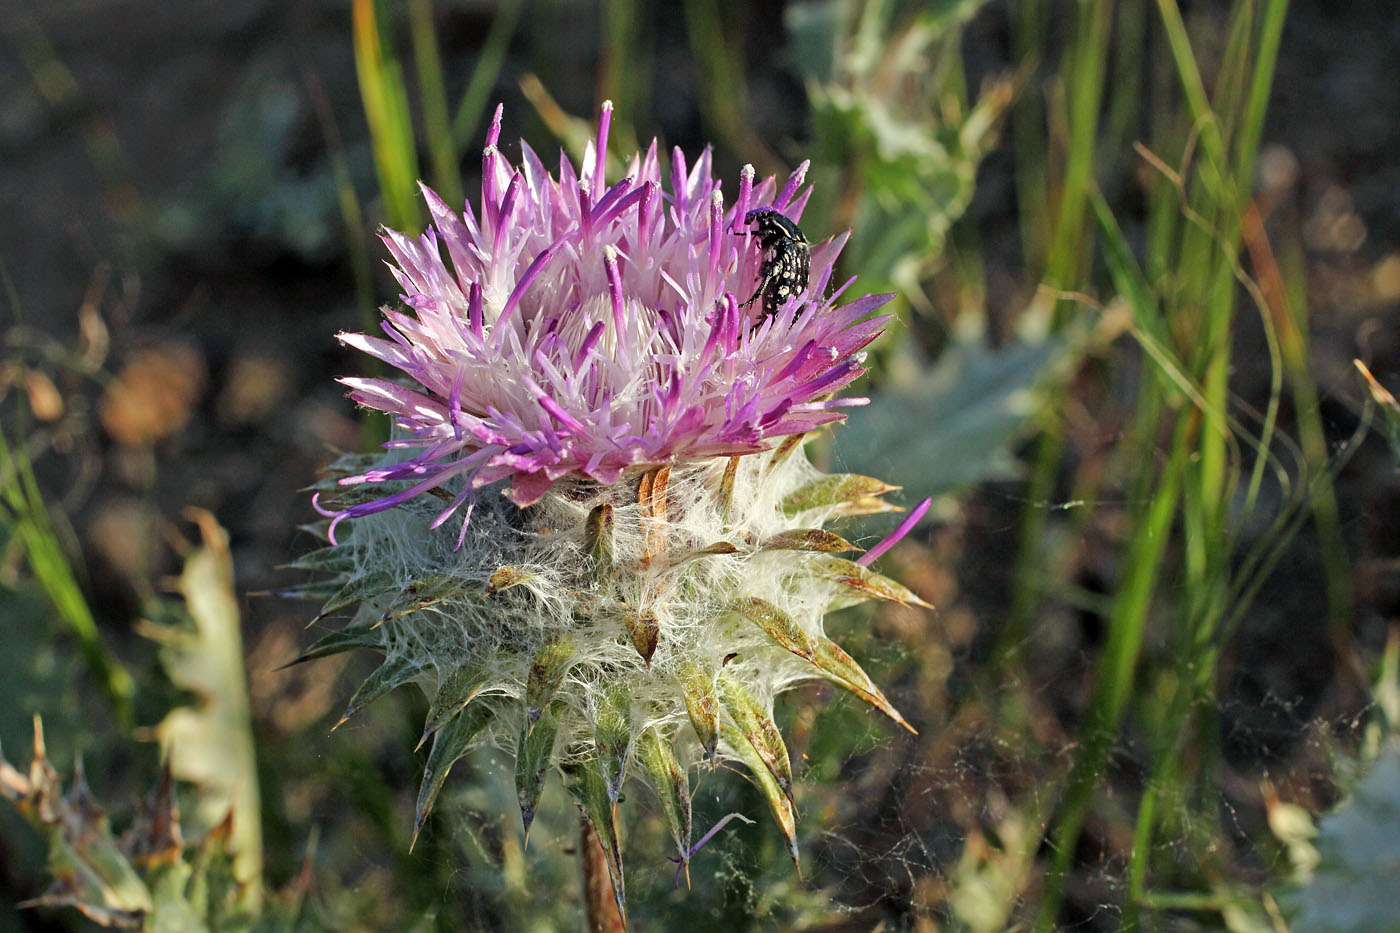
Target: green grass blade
(437,127)
(1086,88)
(1197,101)
(1066,258)
(625,69)
(1113,679)
(1261,82)
(476,98)
(1312,436)
(1029,28)
(23,512)
(390,124)
(351,213)
(718,51)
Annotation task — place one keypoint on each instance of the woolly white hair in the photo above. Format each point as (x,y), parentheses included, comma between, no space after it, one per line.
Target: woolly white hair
(655,618)
(659,565)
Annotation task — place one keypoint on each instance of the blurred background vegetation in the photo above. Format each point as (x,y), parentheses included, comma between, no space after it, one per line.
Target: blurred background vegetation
(1137,247)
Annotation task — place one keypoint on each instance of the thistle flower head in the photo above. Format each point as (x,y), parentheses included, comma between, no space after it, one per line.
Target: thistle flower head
(584,327)
(646,566)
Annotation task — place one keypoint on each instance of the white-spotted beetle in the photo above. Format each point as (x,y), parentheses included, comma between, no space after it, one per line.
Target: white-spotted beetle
(787,259)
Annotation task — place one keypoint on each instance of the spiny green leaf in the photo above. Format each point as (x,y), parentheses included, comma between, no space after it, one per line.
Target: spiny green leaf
(319,529)
(328,482)
(726,487)
(350,463)
(90,871)
(758,729)
(506,577)
(672,788)
(547,672)
(701,703)
(612,735)
(711,550)
(841,668)
(314,591)
(644,630)
(337,497)
(356,590)
(807,539)
(780,803)
(400,609)
(784,450)
(778,625)
(346,639)
(533,754)
(450,743)
(420,594)
(586,785)
(866,505)
(598,540)
(330,559)
(461,685)
(858,584)
(394,672)
(853,494)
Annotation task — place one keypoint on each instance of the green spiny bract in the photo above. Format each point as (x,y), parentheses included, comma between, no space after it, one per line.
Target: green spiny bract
(611,632)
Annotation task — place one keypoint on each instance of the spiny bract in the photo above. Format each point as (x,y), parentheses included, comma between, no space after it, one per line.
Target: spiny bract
(643,566)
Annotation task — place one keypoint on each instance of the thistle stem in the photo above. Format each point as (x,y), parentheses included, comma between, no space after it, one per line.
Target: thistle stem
(601,906)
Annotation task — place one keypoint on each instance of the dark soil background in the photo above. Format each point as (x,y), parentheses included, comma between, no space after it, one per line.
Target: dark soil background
(164,171)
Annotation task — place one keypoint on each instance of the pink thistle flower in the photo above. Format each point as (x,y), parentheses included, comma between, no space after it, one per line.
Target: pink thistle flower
(587,329)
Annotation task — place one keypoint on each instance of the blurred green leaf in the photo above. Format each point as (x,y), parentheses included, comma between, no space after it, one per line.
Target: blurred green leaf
(986,879)
(258,182)
(210,742)
(148,878)
(897,144)
(1355,883)
(38,674)
(952,425)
